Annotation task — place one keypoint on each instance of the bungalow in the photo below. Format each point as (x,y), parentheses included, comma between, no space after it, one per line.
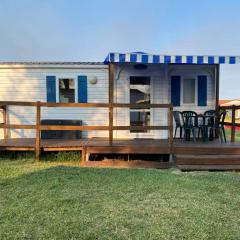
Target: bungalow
(128,96)
(190,83)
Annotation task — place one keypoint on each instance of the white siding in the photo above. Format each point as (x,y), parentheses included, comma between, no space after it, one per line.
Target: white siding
(29,84)
(192,71)
(160,93)
(26,83)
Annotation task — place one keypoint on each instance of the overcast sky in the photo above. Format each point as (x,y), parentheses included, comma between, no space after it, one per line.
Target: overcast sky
(86,30)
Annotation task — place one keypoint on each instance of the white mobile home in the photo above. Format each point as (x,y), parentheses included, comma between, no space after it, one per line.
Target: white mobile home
(194,87)
(124,105)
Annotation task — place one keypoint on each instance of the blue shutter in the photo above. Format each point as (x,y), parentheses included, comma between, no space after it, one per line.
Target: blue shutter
(202,90)
(175,90)
(51,88)
(82,89)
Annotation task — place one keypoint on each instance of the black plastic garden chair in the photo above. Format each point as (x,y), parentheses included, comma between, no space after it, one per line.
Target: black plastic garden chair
(178,122)
(204,121)
(218,125)
(190,124)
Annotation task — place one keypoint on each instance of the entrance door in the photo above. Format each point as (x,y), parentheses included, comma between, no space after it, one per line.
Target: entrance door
(140,94)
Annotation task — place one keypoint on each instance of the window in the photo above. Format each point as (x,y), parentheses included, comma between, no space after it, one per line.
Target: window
(138,118)
(66,90)
(188,92)
(140,94)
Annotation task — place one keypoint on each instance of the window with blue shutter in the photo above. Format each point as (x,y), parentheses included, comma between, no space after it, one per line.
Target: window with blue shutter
(51,88)
(82,89)
(66,88)
(175,90)
(202,90)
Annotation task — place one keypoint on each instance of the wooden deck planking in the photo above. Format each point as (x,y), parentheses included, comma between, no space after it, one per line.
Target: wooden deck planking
(189,155)
(128,146)
(149,146)
(16,144)
(207,159)
(199,167)
(46,144)
(209,147)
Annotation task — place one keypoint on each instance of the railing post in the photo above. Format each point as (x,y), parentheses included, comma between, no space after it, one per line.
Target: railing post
(4,108)
(233,129)
(111,84)
(217,69)
(38,119)
(170,125)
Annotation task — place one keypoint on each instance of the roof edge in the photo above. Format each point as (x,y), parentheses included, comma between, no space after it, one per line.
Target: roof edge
(48,63)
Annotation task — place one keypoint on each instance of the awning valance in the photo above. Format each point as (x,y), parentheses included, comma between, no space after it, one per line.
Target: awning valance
(140,57)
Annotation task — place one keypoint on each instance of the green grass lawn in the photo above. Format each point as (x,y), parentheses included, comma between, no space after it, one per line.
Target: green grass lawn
(51,201)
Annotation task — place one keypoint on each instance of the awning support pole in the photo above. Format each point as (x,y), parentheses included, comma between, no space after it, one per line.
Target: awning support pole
(111,87)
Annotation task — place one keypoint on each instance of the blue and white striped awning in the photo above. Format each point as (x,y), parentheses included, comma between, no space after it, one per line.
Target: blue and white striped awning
(140,57)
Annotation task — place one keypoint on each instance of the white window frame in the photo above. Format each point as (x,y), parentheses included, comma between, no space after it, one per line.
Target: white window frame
(196,90)
(75,90)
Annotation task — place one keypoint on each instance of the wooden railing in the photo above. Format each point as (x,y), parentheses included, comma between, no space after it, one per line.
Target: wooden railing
(233,124)
(110,127)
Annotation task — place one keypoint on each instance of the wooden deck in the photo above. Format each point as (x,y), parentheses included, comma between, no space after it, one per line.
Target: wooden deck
(186,155)
(28,144)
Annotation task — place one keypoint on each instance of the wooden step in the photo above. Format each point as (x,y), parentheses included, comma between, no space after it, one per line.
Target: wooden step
(207,159)
(221,149)
(209,167)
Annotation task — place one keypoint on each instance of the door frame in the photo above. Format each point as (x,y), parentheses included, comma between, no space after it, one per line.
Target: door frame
(141,134)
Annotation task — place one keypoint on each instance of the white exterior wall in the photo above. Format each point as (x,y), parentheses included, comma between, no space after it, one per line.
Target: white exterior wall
(193,71)
(28,83)
(160,93)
